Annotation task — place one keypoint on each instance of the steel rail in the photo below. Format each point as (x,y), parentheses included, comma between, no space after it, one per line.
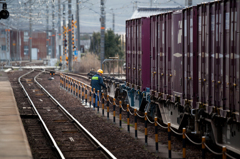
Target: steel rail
(105,150)
(81,76)
(40,118)
(86,78)
(153,122)
(79,80)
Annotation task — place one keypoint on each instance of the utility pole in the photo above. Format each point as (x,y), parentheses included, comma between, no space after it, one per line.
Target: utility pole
(69,35)
(30,32)
(7,37)
(53,31)
(113,23)
(64,37)
(47,33)
(102,31)
(17,45)
(135,5)
(78,28)
(59,29)
(150,3)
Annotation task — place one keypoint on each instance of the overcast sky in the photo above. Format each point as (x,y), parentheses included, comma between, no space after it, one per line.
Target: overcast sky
(89,12)
(123,9)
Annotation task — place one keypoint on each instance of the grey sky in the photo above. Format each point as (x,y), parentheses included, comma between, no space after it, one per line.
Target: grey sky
(89,12)
(123,10)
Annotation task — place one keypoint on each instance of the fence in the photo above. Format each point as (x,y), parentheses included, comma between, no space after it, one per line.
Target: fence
(84,92)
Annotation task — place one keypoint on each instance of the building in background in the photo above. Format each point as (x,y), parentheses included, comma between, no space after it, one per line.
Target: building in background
(148,11)
(19,45)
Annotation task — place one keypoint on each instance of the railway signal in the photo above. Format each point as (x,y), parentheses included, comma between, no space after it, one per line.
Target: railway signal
(4,14)
(65,38)
(73,46)
(66,59)
(52,73)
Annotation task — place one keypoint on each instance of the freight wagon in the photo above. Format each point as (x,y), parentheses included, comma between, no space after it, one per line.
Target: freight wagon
(183,66)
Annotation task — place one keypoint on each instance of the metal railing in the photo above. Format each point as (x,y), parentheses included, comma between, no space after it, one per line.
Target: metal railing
(170,129)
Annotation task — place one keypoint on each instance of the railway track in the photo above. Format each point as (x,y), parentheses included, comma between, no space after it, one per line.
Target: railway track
(68,137)
(162,135)
(83,77)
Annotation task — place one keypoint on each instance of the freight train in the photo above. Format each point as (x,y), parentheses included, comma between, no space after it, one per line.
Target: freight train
(183,66)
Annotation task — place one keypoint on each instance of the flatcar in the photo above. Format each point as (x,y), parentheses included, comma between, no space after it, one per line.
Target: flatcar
(183,66)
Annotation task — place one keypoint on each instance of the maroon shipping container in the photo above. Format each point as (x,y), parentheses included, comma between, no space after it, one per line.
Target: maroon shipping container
(177,55)
(204,69)
(161,53)
(215,49)
(223,50)
(154,59)
(168,32)
(237,62)
(190,55)
(146,66)
(227,71)
(128,51)
(139,52)
(231,55)
(134,51)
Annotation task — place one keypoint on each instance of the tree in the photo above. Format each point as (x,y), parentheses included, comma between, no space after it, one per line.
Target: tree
(85,37)
(95,43)
(112,44)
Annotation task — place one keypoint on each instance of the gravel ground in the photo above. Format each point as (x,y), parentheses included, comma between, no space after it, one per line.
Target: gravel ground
(192,151)
(38,142)
(115,140)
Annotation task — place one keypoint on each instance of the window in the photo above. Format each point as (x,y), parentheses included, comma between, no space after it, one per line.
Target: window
(25,50)
(25,37)
(4,48)
(50,50)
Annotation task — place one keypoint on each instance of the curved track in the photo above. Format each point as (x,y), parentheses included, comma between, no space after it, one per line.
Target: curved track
(69,137)
(177,135)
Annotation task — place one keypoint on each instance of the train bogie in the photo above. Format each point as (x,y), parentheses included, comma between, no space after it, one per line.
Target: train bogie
(191,67)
